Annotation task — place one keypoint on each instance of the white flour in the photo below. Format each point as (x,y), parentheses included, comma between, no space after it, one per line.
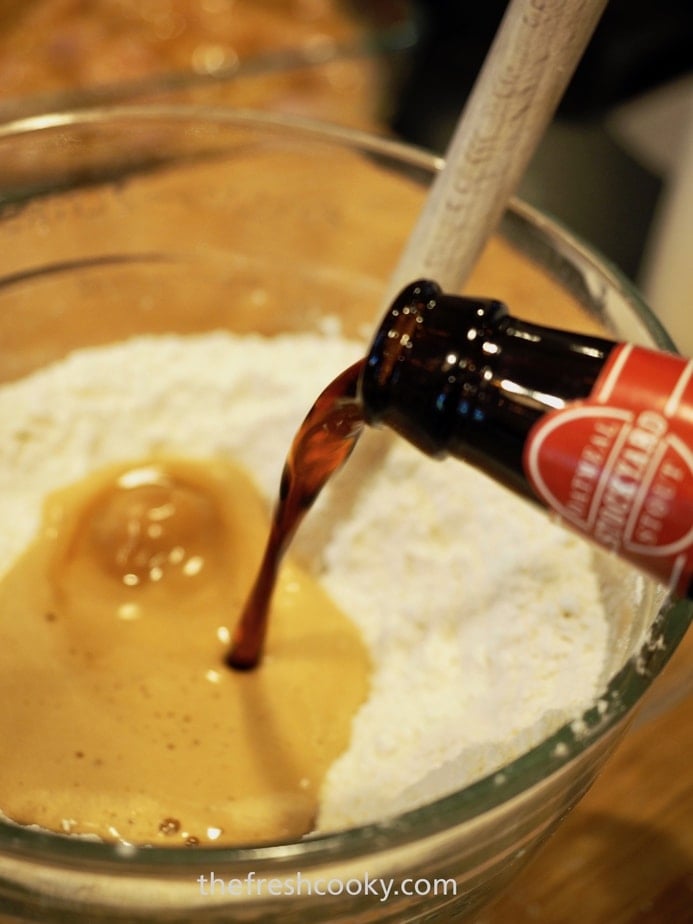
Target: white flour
(483,620)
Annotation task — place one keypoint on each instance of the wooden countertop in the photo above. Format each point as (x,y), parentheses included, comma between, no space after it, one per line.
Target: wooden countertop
(625,854)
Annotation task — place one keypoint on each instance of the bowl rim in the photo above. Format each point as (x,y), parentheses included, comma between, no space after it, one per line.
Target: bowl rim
(530,769)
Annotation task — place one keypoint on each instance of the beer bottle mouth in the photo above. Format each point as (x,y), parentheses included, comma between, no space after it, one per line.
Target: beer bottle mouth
(426,356)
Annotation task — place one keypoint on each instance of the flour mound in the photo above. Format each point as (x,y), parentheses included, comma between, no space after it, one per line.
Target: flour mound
(483,619)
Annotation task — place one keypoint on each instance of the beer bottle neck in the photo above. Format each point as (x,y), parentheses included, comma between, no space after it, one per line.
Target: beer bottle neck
(460,376)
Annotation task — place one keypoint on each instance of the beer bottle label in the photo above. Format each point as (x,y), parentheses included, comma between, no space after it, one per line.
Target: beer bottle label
(618,466)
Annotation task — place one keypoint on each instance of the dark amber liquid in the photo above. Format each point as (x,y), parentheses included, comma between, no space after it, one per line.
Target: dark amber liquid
(320,448)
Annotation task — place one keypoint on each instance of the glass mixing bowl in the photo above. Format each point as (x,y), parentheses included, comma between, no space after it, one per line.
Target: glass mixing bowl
(131,220)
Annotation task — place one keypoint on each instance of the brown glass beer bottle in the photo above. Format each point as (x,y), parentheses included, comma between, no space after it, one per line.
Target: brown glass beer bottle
(597,431)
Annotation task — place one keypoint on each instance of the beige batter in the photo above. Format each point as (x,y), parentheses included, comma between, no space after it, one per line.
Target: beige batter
(125,723)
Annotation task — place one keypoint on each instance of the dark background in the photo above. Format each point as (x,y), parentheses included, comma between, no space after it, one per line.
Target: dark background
(581,173)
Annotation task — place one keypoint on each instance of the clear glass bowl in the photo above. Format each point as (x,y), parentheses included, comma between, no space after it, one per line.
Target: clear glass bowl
(131,220)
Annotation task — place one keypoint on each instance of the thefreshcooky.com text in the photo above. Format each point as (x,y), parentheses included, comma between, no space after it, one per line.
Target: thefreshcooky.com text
(379,887)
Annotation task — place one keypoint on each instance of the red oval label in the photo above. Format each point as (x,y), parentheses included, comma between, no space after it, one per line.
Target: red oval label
(619,466)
